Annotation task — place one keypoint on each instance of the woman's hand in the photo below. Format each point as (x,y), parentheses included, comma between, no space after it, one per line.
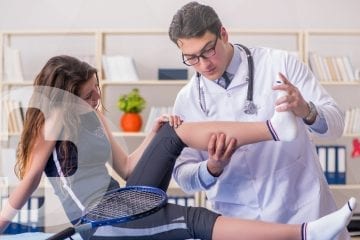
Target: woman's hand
(173,120)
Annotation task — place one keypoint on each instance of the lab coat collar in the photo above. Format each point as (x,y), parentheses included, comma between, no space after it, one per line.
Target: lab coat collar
(237,67)
(235,61)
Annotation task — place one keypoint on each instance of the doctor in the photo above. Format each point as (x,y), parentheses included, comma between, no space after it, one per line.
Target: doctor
(280,182)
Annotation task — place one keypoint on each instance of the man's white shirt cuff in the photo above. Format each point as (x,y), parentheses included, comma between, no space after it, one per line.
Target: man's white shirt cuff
(205,178)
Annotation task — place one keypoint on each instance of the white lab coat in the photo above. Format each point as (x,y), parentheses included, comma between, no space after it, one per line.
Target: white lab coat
(272,181)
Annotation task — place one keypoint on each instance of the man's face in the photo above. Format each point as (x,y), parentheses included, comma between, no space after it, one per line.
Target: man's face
(207,54)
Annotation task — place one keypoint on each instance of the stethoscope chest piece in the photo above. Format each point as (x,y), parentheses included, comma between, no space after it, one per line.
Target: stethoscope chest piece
(250,107)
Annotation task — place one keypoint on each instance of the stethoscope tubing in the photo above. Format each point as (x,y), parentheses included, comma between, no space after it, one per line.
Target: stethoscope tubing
(250,107)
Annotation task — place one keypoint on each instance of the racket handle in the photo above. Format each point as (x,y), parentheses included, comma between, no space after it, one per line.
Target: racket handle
(68,232)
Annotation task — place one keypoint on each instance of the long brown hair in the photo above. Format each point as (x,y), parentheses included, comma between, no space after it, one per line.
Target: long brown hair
(60,72)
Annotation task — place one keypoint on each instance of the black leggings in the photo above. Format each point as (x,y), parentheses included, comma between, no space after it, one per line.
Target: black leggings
(173,221)
(157,162)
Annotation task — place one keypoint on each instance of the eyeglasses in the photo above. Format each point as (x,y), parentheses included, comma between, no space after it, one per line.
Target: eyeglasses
(190,60)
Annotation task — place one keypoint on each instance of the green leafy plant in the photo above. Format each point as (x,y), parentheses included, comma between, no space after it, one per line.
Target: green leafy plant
(132,102)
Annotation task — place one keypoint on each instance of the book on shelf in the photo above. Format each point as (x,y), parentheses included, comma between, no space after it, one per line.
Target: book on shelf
(119,68)
(350,69)
(155,112)
(343,74)
(172,74)
(13,119)
(207,203)
(188,201)
(3,122)
(8,160)
(315,65)
(352,121)
(4,185)
(357,74)
(333,162)
(332,68)
(334,74)
(12,65)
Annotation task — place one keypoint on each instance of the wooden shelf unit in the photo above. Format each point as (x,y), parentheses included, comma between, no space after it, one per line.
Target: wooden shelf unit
(103,41)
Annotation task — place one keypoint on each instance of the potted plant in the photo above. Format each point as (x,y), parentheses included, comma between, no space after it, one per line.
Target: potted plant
(131,104)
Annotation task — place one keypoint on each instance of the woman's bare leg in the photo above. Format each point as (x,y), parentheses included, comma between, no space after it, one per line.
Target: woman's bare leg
(281,127)
(197,135)
(325,228)
(231,228)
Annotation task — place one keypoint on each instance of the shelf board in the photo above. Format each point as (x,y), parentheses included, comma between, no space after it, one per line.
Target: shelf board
(144,31)
(109,82)
(116,134)
(144,82)
(4,134)
(16,83)
(252,31)
(129,134)
(330,82)
(51,32)
(345,187)
(351,135)
(335,32)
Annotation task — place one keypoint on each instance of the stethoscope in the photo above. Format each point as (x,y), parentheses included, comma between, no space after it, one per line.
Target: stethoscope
(250,107)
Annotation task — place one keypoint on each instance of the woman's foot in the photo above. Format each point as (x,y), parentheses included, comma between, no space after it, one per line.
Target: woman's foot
(283,125)
(329,226)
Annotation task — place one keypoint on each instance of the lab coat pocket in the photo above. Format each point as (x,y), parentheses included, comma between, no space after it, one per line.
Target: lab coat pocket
(297,185)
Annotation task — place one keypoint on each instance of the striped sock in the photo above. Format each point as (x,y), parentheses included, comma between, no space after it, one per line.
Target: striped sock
(329,226)
(303,231)
(283,126)
(272,131)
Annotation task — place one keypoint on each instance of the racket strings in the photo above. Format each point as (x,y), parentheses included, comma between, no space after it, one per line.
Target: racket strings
(122,204)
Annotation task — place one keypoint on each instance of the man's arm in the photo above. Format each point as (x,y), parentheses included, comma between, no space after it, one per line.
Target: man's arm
(197,171)
(309,100)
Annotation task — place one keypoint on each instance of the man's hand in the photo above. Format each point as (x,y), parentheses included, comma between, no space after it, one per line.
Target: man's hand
(294,101)
(220,151)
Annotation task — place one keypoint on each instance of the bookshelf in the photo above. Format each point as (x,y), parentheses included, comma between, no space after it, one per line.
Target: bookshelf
(151,49)
(330,44)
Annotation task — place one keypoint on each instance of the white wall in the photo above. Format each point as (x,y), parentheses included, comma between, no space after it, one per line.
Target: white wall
(40,14)
(157,14)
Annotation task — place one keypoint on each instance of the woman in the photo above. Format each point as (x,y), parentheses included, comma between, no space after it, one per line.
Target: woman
(68,138)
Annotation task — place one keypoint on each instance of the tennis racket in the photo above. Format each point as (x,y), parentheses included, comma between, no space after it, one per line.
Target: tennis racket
(118,206)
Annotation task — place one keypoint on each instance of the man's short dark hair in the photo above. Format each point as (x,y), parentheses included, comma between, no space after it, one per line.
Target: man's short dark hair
(194,20)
